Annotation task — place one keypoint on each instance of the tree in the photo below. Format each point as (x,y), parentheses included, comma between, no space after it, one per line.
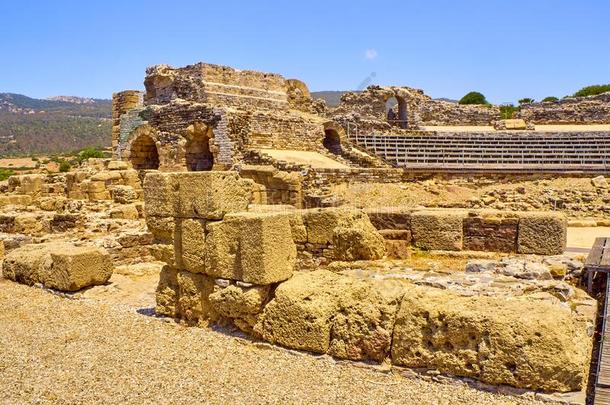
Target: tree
(592,90)
(474,97)
(64,166)
(526,100)
(549,99)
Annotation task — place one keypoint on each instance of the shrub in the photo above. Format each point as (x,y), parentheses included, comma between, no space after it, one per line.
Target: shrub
(508,111)
(526,100)
(64,166)
(592,90)
(5,174)
(89,153)
(474,97)
(549,99)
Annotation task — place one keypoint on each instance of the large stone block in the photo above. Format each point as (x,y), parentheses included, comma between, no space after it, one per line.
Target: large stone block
(325,312)
(527,344)
(240,304)
(204,195)
(211,195)
(358,243)
(160,196)
(60,266)
(542,233)
(300,316)
(189,245)
(252,247)
(438,230)
(193,298)
(321,222)
(167,292)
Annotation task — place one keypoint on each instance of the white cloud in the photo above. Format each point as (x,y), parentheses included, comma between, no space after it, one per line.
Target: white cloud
(370,54)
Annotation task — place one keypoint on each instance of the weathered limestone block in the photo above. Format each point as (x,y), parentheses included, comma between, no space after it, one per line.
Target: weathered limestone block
(211,195)
(397,249)
(164,253)
(300,316)
(61,266)
(161,227)
(438,230)
(30,184)
(390,217)
(160,197)
(205,195)
(542,233)
(362,242)
(127,211)
(123,194)
(496,340)
(193,298)
(15,199)
(167,292)
(321,222)
(189,245)
(241,304)
(325,312)
(55,203)
(118,165)
(251,247)
(363,327)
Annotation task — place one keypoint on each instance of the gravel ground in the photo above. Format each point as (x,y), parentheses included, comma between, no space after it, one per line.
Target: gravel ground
(59,350)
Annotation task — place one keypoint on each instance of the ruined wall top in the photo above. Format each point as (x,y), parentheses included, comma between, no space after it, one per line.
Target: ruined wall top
(570,110)
(224,86)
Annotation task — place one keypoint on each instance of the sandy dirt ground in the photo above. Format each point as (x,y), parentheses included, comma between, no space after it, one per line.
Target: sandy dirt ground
(584,237)
(539,128)
(60,350)
(8,163)
(314,159)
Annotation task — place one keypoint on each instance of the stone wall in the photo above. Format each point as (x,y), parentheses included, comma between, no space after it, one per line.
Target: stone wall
(542,233)
(231,267)
(366,112)
(122,102)
(570,110)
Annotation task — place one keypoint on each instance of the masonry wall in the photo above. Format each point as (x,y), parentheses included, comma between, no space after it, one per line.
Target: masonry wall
(571,110)
(122,102)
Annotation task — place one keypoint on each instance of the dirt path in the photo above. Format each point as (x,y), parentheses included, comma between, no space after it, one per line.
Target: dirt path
(58,350)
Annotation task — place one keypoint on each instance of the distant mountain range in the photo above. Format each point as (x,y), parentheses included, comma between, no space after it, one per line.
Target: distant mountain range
(55,125)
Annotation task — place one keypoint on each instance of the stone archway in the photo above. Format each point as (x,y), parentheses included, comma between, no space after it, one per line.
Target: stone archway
(332,141)
(198,154)
(396,112)
(143,153)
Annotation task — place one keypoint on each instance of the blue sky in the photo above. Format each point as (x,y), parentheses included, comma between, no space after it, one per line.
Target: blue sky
(505,49)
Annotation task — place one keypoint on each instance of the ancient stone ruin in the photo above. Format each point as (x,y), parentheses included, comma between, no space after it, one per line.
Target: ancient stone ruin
(225,184)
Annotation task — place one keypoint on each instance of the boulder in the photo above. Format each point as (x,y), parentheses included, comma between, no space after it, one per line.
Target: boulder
(599,182)
(542,233)
(61,266)
(252,247)
(496,340)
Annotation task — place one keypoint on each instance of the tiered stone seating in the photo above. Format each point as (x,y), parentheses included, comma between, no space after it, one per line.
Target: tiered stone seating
(521,152)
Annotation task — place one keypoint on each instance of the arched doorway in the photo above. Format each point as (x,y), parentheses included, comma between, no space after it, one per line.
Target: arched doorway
(332,141)
(396,112)
(197,149)
(143,153)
